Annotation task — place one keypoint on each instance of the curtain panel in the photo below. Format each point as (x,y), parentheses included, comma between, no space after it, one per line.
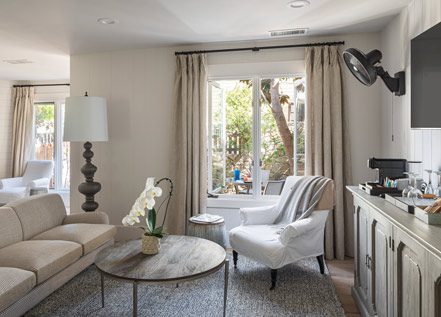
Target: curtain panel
(23,104)
(189,163)
(327,153)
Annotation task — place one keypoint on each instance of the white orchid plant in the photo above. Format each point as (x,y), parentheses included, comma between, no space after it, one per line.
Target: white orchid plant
(144,205)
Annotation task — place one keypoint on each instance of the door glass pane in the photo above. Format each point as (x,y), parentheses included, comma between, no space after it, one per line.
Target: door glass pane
(217,179)
(282,129)
(44,132)
(65,155)
(300,104)
(231,136)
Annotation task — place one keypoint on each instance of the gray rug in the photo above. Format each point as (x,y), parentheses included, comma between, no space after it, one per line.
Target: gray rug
(301,291)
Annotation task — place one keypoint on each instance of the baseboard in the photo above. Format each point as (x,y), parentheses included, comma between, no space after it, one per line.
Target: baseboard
(40,292)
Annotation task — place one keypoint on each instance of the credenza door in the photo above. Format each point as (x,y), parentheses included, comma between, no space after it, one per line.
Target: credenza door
(362,232)
(381,266)
(410,268)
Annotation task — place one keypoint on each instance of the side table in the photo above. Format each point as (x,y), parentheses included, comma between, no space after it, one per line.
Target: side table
(213,231)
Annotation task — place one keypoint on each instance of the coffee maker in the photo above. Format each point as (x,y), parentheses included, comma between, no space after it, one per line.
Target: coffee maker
(387,169)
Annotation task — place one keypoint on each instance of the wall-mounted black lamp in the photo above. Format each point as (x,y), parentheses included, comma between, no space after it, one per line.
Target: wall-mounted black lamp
(366,69)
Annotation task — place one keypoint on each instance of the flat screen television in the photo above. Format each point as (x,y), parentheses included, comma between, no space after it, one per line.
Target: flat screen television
(426,79)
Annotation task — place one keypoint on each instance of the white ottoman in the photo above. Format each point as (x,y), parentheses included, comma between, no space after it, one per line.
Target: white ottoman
(11,194)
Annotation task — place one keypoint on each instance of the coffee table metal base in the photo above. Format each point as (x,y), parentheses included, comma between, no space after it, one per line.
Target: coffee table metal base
(135,288)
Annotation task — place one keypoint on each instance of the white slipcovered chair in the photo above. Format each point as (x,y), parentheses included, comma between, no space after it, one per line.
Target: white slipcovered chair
(37,175)
(260,239)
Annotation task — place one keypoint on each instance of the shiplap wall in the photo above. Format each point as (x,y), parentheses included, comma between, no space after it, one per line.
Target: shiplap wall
(423,145)
(6,112)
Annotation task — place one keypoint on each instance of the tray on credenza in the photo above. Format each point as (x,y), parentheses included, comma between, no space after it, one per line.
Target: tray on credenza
(375,189)
(408,204)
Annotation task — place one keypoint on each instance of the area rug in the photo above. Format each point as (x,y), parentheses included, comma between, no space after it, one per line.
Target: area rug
(301,291)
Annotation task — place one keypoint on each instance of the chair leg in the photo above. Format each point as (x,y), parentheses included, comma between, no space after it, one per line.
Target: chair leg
(235,256)
(273,279)
(321,264)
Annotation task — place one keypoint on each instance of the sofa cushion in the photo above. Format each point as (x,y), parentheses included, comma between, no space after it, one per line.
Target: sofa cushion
(14,283)
(90,236)
(44,258)
(10,227)
(39,213)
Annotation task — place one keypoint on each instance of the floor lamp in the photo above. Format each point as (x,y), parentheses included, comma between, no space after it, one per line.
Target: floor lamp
(85,120)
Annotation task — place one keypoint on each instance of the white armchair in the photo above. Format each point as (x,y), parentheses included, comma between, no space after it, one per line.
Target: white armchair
(37,174)
(275,246)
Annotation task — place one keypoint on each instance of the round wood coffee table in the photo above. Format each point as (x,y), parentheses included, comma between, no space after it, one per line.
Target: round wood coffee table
(180,259)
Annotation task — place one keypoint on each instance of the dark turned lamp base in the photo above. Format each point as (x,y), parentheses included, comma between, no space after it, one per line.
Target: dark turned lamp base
(89,188)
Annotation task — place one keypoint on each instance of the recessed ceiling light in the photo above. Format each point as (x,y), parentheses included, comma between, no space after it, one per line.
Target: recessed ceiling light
(297,4)
(107,21)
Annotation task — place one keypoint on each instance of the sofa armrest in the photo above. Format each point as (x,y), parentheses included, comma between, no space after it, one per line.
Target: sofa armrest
(11,182)
(262,215)
(306,228)
(96,217)
(40,182)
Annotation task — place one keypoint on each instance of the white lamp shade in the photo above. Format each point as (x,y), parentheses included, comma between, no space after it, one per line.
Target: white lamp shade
(85,119)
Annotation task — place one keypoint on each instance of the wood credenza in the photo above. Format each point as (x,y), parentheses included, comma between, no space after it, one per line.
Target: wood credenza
(397,260)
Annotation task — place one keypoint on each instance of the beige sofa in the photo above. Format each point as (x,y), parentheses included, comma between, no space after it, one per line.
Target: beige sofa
(41,248)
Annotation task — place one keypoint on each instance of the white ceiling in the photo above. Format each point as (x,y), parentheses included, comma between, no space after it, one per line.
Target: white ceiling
(48,31)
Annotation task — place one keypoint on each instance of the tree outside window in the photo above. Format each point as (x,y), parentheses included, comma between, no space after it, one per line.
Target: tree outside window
(281,105)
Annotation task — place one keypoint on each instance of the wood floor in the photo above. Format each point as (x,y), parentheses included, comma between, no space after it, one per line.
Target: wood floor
(342,274)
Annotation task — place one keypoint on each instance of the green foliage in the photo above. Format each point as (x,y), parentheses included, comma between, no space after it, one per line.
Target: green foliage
(44,114)
(239,118)
(274,157)
(239,130)
(151,225)
(273,152)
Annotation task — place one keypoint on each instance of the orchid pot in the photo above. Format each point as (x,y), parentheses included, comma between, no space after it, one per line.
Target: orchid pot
(150,244)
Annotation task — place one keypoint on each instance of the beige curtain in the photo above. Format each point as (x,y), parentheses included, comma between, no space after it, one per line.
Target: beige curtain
(189,166)
(326,152)
(23,103)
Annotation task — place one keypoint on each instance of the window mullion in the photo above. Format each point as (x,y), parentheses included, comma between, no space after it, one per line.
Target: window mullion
(256,139)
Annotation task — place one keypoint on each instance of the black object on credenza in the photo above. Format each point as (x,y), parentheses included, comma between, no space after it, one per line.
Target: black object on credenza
(387,169)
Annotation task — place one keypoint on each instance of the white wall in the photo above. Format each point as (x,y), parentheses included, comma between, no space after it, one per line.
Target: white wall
(423,145)
(6,115)
(138,86)
(51,93)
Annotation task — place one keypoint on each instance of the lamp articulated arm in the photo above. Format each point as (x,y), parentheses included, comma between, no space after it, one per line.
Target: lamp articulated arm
(395,84)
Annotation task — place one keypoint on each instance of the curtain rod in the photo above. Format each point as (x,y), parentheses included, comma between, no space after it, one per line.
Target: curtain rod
(258,48)
(41,85)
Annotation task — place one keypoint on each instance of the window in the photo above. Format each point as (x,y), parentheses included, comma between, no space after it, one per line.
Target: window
(48,141)
(252,120)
